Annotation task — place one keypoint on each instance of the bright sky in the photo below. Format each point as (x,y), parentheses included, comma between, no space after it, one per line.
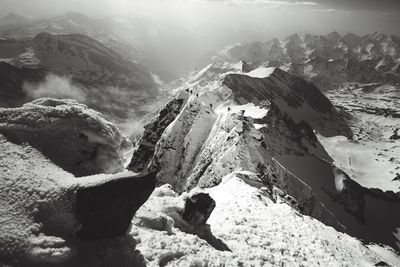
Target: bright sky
(199,26)
(274,16)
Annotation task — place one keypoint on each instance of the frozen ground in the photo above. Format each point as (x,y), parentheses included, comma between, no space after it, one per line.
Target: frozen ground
(252,230)
(372,157)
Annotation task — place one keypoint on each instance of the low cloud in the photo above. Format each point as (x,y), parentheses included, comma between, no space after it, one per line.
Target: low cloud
(56,87)
(272,3)
(331,11)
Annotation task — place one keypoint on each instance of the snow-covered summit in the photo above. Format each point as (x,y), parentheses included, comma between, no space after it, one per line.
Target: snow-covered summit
(214,130)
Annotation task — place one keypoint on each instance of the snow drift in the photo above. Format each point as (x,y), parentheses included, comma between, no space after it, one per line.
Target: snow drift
(51,213)
(76,138)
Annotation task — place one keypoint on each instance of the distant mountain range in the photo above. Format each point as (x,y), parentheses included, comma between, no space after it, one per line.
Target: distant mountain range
(105,79)
(327,61)
(141,40)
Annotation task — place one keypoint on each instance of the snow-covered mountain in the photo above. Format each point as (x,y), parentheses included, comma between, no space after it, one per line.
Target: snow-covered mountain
(327,61)
(243,179)
(73,66)
(264,123)
(52,215)
(253,164)
(157,45)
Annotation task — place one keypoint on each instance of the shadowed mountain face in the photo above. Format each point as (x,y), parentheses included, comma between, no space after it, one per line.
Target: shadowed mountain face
(328,61)
(300,100)
(73,66)
(12,80)
(136,39)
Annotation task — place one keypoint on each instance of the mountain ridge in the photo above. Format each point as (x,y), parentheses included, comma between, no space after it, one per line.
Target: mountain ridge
(327,61)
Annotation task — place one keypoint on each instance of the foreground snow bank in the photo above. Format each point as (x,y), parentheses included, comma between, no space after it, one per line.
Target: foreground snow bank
(247,228)
(47,214)
(76,138)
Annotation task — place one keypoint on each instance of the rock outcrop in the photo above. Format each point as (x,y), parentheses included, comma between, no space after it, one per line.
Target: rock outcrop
(198,208)
(144,152)
(106,210)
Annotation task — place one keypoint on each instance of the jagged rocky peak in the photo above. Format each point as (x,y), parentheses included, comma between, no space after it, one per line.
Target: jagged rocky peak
(375,37)
(327,61)
(13,20)
(294,39)
(351,39)
(333,37)
(301,100)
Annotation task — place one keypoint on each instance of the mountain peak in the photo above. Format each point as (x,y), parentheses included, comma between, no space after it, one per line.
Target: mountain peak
(333,36)
(75,15)
(43,35)
(375,37)
(351,39)
(13,19)
(294,38)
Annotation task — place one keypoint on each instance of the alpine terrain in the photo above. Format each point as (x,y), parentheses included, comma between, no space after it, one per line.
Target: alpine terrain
(277,153)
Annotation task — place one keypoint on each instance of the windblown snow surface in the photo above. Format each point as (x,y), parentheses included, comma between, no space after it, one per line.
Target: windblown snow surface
(372,157)
(229,121)
(280,200)
(247,228)
(38,210)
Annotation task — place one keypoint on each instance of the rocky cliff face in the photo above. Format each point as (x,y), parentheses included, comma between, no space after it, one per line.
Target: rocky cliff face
(263,122)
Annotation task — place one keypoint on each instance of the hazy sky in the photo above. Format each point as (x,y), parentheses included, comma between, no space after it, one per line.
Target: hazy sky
(183,32)
(277,17)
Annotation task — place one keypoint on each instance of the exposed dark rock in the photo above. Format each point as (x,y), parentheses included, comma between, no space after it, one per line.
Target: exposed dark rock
(152,134)
(396,134)
(12,80)
(382,263)
(198,208)
(246,67)
(107,210)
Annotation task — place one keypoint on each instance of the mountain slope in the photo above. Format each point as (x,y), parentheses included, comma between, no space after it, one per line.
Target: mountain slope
(75,66)
(233,121)
(245,228)
(12,80)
